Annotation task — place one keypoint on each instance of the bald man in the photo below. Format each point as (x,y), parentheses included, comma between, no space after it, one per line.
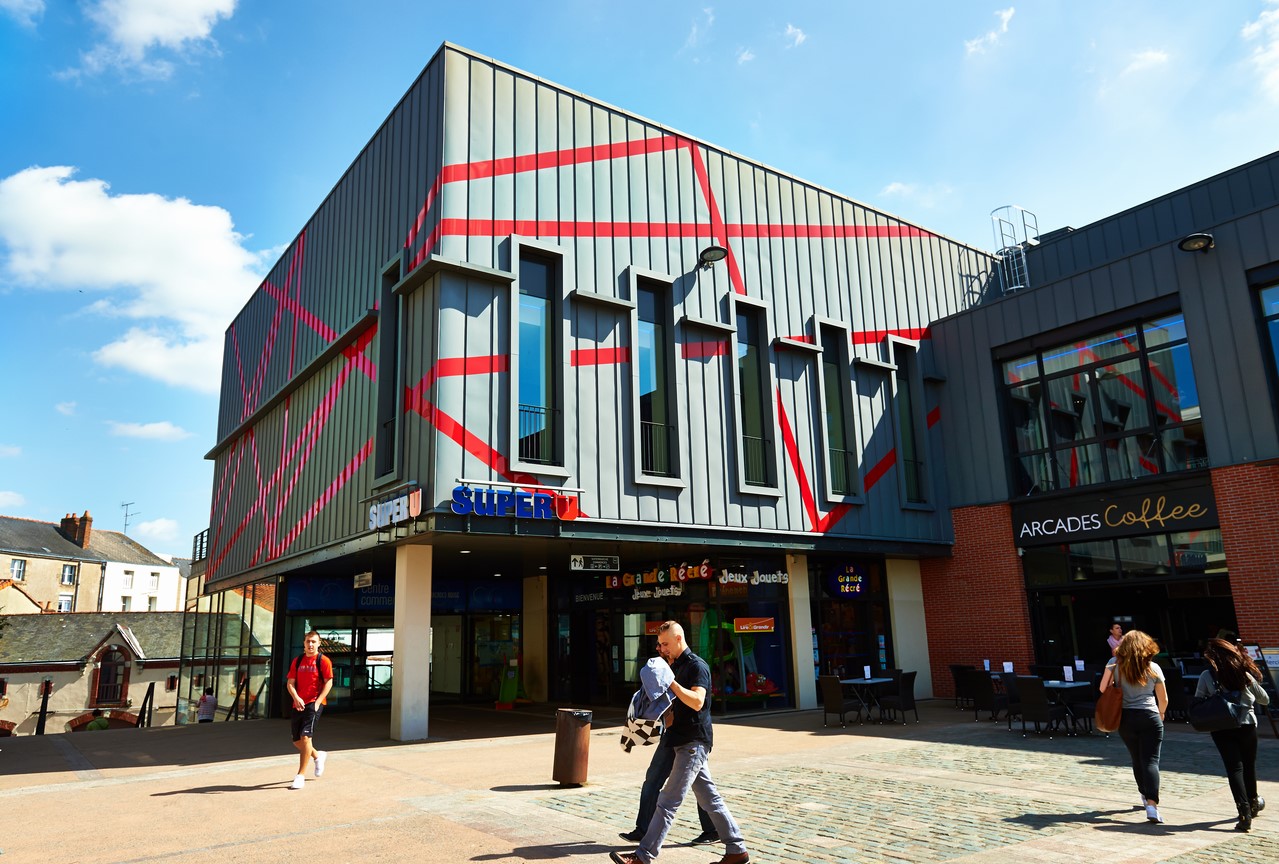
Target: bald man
(689,734)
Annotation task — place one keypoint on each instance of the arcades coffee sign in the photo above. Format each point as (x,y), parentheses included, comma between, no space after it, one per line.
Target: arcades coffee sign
(1165,508)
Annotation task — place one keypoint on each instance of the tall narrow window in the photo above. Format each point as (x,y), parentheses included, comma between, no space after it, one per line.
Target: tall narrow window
(128,580)
(843,463)
(757,447)
(657,424)
(18,569)
(126,604)
(538,341)
(388,402)
(911,455)
(111,670)
(68,574)
(1269,298)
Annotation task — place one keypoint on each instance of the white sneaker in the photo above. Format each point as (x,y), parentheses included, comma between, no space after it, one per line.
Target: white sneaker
(298,781)
(1152,814)
(321,756)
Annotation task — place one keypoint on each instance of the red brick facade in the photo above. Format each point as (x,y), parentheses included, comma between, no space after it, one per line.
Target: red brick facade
(975,601)
(1248,507)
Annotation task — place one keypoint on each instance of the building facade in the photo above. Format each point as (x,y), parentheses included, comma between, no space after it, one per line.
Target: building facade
(540,374)
(1113,453)
(55,566)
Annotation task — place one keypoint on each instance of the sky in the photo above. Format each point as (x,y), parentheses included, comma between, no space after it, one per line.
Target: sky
(157,156)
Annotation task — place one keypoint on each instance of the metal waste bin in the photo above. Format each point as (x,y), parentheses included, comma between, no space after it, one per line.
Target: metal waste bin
(572,745)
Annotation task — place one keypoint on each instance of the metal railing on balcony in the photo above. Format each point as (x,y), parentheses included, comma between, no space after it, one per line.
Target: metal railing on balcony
(200,546)
(759,460)
(657,445)
(538,427)
(843,472)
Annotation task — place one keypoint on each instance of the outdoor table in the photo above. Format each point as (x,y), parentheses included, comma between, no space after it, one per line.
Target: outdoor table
(864,688)
(1059,689)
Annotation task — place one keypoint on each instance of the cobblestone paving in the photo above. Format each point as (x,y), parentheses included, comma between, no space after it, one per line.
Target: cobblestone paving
(810,815)
(1187,769)
(1251,848)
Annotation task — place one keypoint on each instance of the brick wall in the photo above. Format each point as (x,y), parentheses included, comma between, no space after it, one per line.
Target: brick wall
(1248,507)
(975,602)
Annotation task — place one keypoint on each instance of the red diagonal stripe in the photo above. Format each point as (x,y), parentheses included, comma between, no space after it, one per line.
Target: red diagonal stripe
(717,221)
(877,473)
(792,451)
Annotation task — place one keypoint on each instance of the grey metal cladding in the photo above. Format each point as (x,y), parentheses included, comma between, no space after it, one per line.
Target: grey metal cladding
(1123,261)
(478,156)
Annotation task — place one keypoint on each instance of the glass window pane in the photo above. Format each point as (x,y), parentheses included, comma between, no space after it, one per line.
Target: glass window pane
(1084,352)
(1021,369)
(1033,474)
(1164,330)
(1144,556)
(1090,562)
(1123,404)
(1184,447)
(1045,565)
(1079,466)
(1175,395)
(1069,409)
(1198,552)
(1026,413)
(1131,456)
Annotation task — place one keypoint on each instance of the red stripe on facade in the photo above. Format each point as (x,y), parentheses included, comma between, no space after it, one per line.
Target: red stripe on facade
(327,333)
(831,519)
(701,350)
(325,497)
(877,473)
(599,356)
(869,337)
(933,417)
(718,233)
(772,231)
(797,465)
(457,227)
(295,279)
(557,158)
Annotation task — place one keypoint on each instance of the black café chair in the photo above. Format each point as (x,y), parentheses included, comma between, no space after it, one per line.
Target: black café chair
(1036,707)
(901,698)
(963,698)
(1178,698)
(1081,703)
(834,701)
(983,693)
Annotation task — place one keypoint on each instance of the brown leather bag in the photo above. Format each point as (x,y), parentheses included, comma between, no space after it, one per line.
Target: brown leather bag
(1110,708)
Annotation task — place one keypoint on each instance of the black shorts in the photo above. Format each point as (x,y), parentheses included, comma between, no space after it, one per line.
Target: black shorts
(304,721)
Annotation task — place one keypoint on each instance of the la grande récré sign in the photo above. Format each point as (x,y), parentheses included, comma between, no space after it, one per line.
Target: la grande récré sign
(1182,505)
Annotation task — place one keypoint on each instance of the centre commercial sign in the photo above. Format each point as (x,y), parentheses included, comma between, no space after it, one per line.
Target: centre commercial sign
(1183,505)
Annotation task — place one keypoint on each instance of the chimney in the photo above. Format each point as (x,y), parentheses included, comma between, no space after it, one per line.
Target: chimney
(70,525)
(84,530)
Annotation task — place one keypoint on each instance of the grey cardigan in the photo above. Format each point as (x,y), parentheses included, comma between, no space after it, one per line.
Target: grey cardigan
(1253,694)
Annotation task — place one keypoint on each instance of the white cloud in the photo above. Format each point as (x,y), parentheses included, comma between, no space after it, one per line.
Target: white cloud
(11,499)
(1265,56)
(161,431)
(745,55)
(698,30)
(134,29)
(1144,60)
(25,12)
(158,531)
(795,35)
(178,268)
(65,408)
(8,451)
(983,43)
(918,196)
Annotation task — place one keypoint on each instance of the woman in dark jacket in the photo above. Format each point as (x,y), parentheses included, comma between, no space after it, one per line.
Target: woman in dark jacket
(1232,669)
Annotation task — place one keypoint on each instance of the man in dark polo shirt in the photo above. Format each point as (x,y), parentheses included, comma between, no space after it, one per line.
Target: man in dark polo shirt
(689,734)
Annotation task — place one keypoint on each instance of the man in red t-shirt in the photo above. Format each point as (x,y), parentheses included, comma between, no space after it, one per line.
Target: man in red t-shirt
(309,681)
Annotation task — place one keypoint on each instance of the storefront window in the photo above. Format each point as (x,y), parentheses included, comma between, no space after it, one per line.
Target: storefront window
(1117,406)
(850,616)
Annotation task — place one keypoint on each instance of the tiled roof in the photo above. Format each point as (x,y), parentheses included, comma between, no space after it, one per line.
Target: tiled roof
(72,636)
(117,547)
(42,540)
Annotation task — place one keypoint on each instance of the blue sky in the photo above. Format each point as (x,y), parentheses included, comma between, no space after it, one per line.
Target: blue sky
(157,155)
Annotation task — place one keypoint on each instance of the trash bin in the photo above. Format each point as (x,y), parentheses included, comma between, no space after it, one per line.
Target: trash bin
(572,745)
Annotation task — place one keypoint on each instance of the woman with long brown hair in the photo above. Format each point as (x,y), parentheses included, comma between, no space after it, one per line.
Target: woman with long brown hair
(1232,669)
(1145,703)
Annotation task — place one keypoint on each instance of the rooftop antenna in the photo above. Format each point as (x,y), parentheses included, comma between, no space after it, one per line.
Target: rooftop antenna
(1016,229)
(127,514)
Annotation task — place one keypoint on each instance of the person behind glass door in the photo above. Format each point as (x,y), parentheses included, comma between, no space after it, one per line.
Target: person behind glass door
(1116,634)
(1232,669)
(1145,703)
(207,707)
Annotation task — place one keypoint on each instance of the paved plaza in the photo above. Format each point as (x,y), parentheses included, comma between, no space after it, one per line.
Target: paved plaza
(946,789)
